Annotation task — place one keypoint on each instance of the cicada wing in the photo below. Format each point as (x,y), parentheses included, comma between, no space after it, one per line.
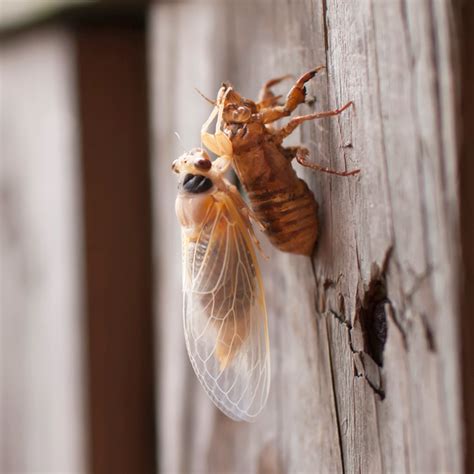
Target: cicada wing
(225,321)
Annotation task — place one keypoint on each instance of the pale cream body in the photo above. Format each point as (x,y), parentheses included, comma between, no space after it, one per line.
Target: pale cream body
(192,210)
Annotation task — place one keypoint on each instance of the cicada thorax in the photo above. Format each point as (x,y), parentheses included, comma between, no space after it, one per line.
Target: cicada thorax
(214,256)
(281,201)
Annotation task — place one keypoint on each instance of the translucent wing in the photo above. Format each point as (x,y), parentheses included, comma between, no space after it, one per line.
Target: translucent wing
(225,321)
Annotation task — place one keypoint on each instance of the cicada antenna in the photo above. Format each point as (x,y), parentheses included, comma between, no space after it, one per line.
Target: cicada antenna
(180,141)
(212,102)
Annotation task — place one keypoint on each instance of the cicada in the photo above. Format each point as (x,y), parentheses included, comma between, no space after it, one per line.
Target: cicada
(282,203)
(225,320)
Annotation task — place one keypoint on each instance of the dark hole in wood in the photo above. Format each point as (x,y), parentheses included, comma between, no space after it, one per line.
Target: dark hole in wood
(373,319)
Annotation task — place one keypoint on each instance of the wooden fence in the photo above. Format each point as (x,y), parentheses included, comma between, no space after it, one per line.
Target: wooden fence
(371,353)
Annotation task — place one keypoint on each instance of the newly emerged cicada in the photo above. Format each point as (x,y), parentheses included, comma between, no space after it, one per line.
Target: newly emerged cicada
(225,320)
(283,204)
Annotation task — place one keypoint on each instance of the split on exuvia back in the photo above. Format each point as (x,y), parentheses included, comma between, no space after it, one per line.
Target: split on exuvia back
(225,320)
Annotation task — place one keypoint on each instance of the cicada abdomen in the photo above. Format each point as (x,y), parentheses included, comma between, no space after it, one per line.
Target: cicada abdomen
(281,201)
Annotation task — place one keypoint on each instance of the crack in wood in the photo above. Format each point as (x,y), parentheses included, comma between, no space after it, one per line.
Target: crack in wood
(371,318)
(325,28)
(340,317)
(429,333)
(435,55)
(334,396)
(364,364)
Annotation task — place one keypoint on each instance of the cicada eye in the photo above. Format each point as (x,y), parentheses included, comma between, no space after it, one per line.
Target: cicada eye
(242,114)
(203,164)
(174,166)
(237,114)
(229,112)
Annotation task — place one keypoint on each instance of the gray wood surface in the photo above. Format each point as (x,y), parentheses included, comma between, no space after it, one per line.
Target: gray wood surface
(387,257)
(42,389)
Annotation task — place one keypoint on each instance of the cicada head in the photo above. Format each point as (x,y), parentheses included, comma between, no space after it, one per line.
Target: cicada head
(236,109)
(195,171)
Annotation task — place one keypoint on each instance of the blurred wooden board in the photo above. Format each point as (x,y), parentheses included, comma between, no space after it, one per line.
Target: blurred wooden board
(111,64)
(77,381)
(394,229)
(42,396)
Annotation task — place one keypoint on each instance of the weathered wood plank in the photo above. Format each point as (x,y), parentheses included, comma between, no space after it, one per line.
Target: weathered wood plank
(74,157)
(387,259)
(42,401)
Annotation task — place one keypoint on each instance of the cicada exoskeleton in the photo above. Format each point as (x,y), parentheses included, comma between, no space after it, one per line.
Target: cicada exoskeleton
(282,202)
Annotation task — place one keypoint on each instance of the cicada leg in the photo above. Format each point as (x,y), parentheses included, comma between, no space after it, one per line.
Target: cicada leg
(269,102)
(295,97)
(283,132)
(218,142)
(301,155)
(266,97)
(266,92)
(222,164)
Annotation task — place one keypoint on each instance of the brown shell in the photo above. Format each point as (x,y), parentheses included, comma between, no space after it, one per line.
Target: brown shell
(282,202)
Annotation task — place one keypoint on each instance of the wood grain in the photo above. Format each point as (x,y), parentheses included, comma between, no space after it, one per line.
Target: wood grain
(388,255)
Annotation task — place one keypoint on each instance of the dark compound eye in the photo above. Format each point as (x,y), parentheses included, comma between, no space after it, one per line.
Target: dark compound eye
(187,178)
(203,164)
(195,183)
